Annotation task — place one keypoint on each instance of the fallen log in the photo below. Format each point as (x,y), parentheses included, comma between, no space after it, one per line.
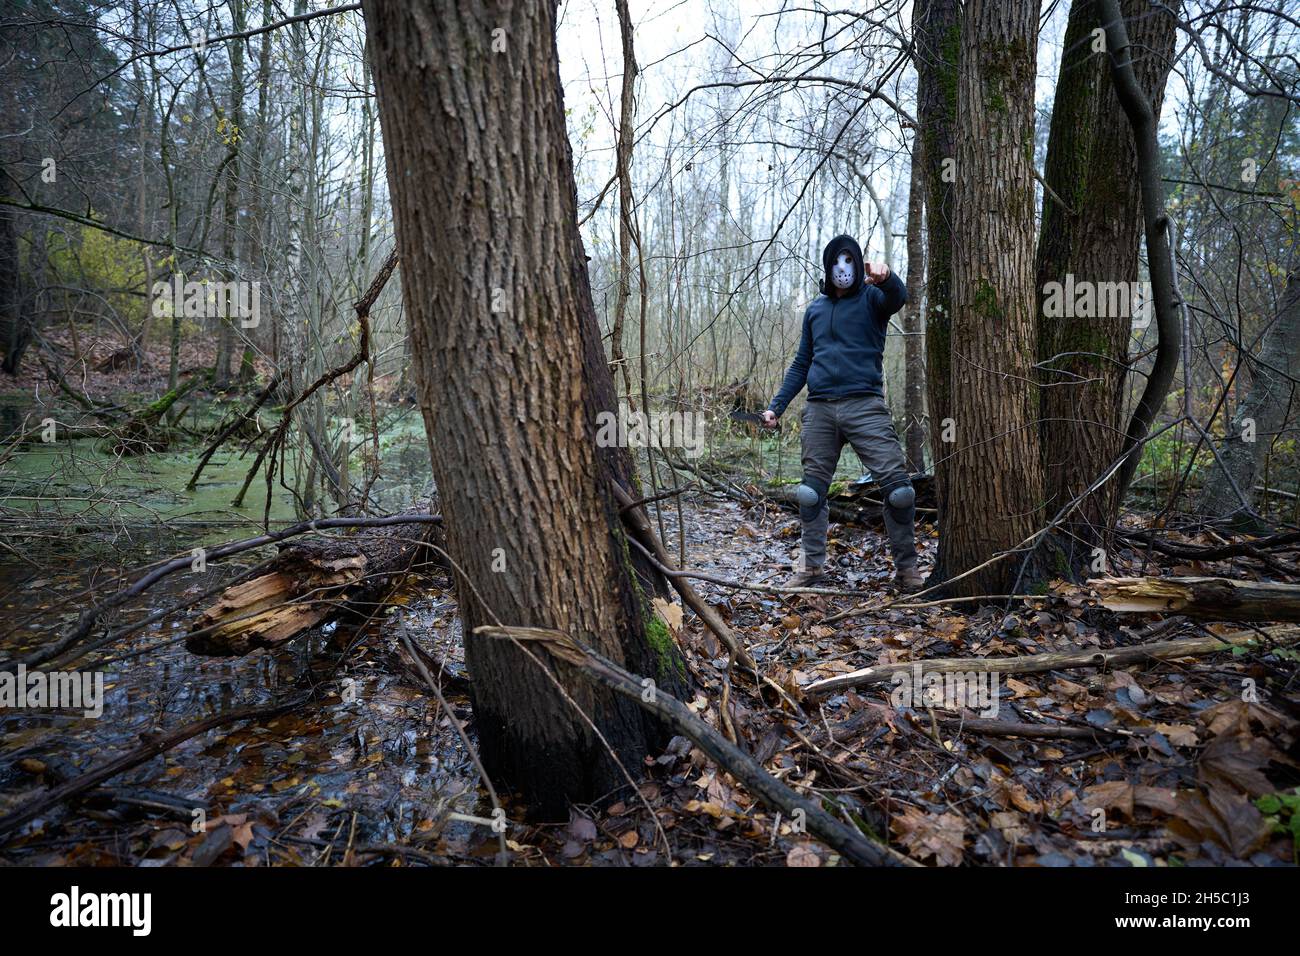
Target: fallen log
(1220,599)
(1160,650)
(310,583)
(144,431)
(858,502)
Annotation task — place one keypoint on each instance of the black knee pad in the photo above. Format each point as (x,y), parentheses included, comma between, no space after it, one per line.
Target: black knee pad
(811,495)
(900,500)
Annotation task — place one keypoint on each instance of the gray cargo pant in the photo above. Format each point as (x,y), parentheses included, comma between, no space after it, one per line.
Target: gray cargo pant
(864,423)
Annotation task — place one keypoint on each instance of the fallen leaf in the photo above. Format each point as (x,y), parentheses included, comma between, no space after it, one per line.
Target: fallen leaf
(1180,735)
(802,855)
(670,614)
(941,836)
(1113,794)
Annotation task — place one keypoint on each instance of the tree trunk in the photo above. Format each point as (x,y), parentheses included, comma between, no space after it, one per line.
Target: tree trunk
(14,325)
(233,131)
(1092,167)
(1261,417)
(994,494)
(914,363)
(511,375)
(937,27)
(626,134)
(258,207)
(1138,108)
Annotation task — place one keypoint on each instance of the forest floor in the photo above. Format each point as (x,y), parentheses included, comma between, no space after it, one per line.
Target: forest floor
(1172,762)
(1168,766)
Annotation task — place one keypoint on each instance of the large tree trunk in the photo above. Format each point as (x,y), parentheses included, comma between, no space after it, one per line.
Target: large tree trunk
(511,376)
(994,495)
(1261,417)
(1091,166)
(936,28)
(913,351)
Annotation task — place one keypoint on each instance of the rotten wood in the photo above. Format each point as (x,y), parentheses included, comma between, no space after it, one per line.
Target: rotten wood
(308,584)
(151,576)
(1221,599)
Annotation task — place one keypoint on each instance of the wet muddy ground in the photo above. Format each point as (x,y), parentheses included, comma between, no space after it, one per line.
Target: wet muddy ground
(369,770)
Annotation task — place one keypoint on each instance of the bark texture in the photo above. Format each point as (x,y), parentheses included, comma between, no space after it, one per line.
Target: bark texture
(994,495)
(936,29)
(1091,166)
(510,375)
(913,317)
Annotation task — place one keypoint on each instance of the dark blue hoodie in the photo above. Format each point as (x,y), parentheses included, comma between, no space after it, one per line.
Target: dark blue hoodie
(843,338)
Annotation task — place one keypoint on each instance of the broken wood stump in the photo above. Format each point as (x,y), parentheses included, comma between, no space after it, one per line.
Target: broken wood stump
(310,583)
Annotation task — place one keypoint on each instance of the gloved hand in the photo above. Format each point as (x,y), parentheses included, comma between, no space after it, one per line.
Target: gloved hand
(769,419)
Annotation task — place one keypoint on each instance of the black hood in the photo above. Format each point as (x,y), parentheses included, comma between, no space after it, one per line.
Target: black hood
(842,243)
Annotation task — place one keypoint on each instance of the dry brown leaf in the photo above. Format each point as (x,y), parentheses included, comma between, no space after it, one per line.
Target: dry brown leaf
(1113,794)
(1226,818)
(802,855)
(670,614)
(1180,735)
(941,836)
(1068,689)
(1155,798)
(1011,824)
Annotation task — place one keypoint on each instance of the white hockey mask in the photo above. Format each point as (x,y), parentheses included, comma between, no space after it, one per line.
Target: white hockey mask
(843,270)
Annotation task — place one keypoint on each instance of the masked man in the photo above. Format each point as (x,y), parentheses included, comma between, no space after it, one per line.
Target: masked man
(839,360)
